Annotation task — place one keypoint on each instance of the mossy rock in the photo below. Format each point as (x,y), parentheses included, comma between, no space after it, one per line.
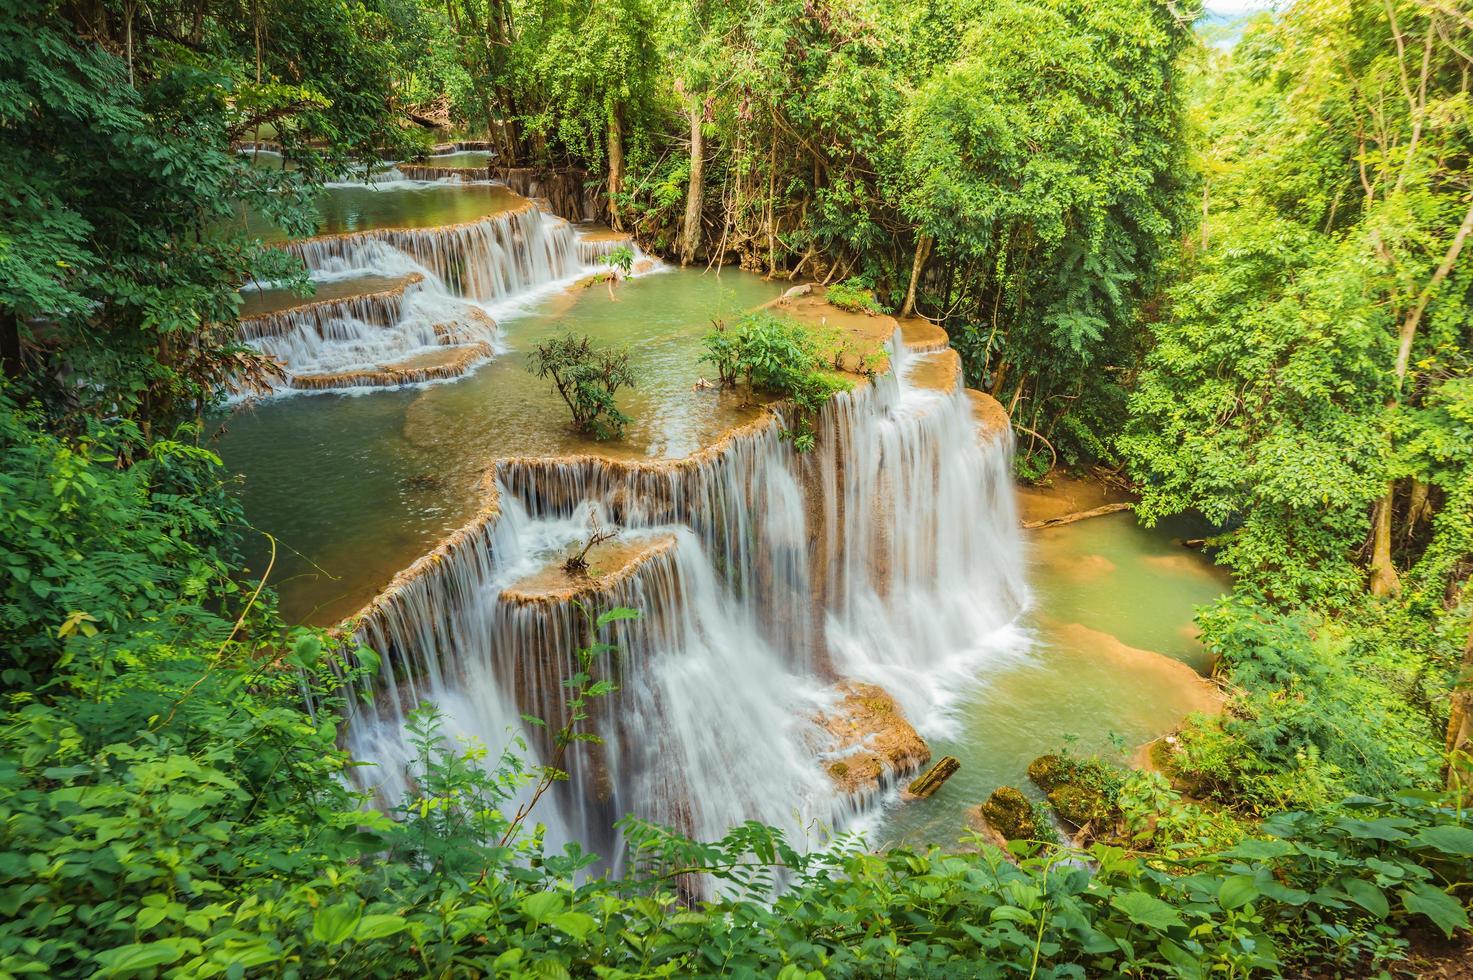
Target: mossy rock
(1050,771)
(1011,814)
(1079,805)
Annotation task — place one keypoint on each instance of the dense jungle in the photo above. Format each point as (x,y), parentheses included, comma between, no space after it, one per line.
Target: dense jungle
(792,488)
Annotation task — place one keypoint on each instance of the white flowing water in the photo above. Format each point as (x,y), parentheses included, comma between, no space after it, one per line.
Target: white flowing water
(462,277)
(890,554)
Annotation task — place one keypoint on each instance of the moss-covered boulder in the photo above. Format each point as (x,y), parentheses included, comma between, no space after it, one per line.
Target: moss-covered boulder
(1080,805)
(1081,791)
(1011,814)
(1050,771)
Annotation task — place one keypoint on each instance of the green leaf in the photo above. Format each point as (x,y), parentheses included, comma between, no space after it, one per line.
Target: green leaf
(1146,910)
(575,924)
(542,906)
(369,660)
(334,923)
(1448,840)
(551,969)
(1444,910)
(1237,891)
(137,957)
(615,615)
(379,926)
(306,652)
(1367,896)
(1260,850)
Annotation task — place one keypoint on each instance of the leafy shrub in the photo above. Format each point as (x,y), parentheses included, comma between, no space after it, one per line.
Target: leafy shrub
(855,295)
(587,379)
(1311,719)
(723,351)
(777,356)
(621,258)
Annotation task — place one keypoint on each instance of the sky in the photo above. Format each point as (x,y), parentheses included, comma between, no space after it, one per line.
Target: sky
(1235,7)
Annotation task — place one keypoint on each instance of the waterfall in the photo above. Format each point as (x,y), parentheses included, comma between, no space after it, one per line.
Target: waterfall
(890,554)
(489,259)
(924,545)
(438,324)
(382,308)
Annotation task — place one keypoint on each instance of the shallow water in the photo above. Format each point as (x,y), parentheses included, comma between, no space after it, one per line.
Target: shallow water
(1111,670)
(396,204)
(460,158)
(355,487)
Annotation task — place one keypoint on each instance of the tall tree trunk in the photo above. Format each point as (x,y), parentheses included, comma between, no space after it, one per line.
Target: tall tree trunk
(690,239)
(1460,726)
(1384,580)
(1419,505)
(923,251)
(616,169)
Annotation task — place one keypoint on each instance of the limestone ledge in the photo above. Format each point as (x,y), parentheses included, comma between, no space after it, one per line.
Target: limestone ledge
(282,321)
(610,565)
(517,207)
(477,527)
(922,336)
(938,371)
(451,363)
(420,171)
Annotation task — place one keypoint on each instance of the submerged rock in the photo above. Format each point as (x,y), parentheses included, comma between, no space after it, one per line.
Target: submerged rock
(870,739)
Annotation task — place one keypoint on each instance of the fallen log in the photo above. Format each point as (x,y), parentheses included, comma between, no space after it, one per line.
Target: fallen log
(1078,515)
(925,785)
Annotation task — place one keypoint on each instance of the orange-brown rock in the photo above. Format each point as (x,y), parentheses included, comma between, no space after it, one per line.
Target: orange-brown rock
(991,418)
(940,371)
(609,564)
(922,336)
(870,739)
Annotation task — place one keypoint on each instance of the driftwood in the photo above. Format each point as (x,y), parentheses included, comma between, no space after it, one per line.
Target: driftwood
(1078,515)
(925,785)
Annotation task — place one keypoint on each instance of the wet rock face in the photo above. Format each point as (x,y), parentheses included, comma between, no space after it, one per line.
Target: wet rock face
(870,740)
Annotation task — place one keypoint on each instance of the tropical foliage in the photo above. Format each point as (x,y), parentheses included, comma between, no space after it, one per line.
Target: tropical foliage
(586,378)
(1294,365)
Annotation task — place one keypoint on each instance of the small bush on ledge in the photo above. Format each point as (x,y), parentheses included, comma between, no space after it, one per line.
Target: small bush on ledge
(856,296)
(587,379)
(777,356)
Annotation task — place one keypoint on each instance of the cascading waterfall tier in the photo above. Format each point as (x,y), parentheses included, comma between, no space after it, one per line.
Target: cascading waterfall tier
(380,308)
(772,587)
(436,324)
(489,259)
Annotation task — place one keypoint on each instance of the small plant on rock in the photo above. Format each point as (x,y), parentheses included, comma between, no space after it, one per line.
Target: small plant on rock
(620,262)
(780,357)
(587,379)
(723,352)
(577,564)
(855,295)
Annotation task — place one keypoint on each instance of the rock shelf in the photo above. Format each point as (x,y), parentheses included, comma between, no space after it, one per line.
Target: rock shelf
(872,743)
(451,362)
